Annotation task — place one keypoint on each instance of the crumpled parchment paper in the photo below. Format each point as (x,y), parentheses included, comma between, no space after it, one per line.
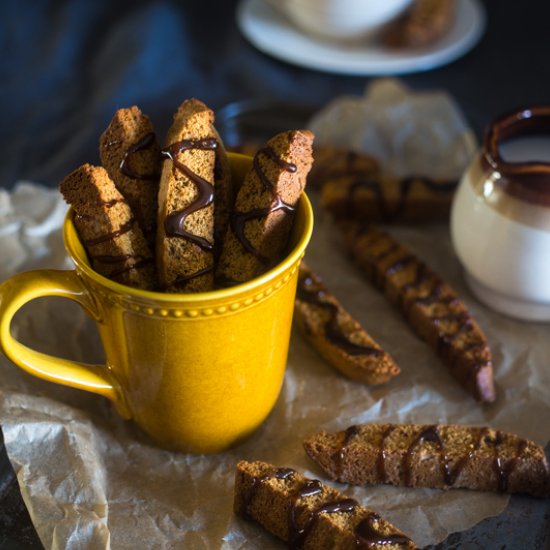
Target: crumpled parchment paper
(92,480)
(410,133)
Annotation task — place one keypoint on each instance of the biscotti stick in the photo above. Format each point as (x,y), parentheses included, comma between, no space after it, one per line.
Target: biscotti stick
(264,207)
(307,514)
(185,229)
(428,303)
(107,228)
(388,199)
(332,163)
(130,153)
(438,456)
(338,337)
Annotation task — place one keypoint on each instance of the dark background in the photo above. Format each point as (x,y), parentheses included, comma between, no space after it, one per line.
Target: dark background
(66,66)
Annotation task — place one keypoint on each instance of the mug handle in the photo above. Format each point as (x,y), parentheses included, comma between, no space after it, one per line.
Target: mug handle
(24,287)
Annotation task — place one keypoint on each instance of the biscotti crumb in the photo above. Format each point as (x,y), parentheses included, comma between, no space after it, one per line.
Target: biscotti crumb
(307,514)
(437,456)
(339,338)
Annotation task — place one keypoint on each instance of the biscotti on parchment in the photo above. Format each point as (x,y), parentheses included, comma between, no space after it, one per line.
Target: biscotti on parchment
(108,229)
(438,456)
(130,153)
(337,336)
(429,304)
(308,514)
(264,207)
(185,232)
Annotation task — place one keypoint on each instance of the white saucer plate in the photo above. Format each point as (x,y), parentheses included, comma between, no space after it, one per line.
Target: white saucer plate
(272,33)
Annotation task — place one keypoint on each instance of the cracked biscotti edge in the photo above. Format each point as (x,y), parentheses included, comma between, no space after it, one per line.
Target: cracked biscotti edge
(308,514)
(337,336)
(440,456)
(107,228)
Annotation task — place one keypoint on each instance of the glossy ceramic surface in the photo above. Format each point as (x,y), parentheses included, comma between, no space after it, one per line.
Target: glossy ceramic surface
(198,372)
(272,33)
(500,220)
(346,20)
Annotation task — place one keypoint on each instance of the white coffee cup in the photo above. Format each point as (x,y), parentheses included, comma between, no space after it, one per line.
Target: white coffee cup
(340,19)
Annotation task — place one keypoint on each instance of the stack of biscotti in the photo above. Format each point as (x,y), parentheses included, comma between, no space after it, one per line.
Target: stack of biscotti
(308,514)
(437,456)
(168,219)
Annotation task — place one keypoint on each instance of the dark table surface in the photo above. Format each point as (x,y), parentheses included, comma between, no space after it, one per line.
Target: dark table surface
(68,65)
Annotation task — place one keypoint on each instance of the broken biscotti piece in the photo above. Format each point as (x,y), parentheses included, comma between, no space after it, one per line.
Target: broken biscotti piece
(428,303)
(185,229)
(264,208)
(438,456)
(107,228)
(307,514)
(130,153)
(422,24)
(338,337)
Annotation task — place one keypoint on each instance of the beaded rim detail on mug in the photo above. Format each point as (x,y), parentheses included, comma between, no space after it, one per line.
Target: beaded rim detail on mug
(164,312)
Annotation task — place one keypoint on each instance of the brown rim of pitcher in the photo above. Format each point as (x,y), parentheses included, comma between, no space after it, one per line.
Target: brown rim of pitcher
(527,181)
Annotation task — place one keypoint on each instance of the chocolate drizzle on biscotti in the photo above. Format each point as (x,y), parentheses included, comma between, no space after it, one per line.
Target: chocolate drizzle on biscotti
(174,223)
(387,211)
(308,293)
(436,456)
(432,307)
(239,219)
(146,142)
(300,527)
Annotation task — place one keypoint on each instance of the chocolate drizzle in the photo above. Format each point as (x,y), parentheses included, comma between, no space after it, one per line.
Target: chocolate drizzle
(333,331)
(366,535)
(125,165)
(239,219)
(405,185)
(425,289)
(124,228)
(340,456)
(381,460)
(174,223)
(365,532)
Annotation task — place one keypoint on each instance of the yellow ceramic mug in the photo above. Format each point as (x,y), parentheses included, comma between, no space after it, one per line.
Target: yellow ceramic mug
(198,372)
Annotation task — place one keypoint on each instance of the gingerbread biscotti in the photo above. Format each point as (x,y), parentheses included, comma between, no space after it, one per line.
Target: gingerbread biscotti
(422,24)
(130,153)
(264,208)
(185,228)
(337,336)
(108,229)
(429,304)
(332,163)
(308,514)
(437,456)
(388,199)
